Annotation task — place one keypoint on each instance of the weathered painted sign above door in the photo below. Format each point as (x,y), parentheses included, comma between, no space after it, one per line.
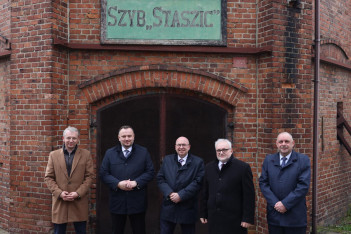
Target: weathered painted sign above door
(164,22)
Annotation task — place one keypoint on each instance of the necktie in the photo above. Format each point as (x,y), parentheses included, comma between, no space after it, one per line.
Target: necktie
(220,165)
(284,160)
(126,153)
(181,161)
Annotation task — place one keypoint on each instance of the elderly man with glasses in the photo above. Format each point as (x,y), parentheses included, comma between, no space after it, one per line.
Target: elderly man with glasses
(228,197)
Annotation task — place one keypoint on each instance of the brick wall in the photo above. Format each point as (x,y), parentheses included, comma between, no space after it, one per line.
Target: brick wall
(33,123)
(51,87)
(285,97)
(4,144)
(4,115)
(334,180)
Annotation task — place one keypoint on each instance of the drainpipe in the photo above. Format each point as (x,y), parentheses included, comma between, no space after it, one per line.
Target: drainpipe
(315,117)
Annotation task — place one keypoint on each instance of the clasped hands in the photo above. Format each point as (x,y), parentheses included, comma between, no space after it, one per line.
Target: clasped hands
(279,206)
(127,185)
(66,196)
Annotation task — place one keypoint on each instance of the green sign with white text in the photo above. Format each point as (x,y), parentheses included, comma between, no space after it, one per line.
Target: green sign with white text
(167,22)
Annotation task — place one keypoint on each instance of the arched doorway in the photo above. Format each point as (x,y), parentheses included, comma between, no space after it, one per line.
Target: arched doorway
(157,121)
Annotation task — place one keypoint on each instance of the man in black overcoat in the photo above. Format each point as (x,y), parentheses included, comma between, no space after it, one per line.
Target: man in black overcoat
(228,196)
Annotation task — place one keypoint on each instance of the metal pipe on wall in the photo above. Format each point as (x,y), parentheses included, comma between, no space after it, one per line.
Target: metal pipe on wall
(315,116)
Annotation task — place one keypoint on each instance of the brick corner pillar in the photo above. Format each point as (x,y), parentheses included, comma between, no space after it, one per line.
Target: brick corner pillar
(37,97)
(285,85)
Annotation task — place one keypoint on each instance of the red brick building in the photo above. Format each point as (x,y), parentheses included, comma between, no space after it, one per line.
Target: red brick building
(54,72)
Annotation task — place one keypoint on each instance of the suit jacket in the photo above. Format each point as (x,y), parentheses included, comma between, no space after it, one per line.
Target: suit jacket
(288,185)
(228,197)
(115,168)
(79,181)
(185,180)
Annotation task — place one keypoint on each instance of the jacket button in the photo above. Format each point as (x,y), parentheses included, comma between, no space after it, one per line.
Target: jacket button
(69,182)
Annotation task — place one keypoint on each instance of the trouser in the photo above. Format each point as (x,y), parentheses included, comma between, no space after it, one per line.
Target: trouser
(286,230)
(168,227)
(79,227)
(137,221)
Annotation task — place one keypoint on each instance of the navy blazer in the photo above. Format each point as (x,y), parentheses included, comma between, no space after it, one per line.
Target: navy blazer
(115,168)
(288,185)
(185,180)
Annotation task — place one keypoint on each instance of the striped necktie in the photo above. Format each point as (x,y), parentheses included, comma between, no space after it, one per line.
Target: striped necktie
(126,153)
(284,161)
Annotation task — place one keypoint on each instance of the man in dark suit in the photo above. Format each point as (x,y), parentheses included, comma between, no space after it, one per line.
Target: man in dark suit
(228,197)
(179,180)
(69,174)
(284,182)
(127,169)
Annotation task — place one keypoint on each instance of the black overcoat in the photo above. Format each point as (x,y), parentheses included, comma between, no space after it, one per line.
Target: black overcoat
(228,197)
(186,181)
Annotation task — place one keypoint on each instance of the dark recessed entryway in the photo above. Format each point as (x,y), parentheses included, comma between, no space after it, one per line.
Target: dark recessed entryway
(158,120)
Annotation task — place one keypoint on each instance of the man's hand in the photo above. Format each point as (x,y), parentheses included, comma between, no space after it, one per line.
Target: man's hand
(127,185)
(279,206)
(66,196)
(246,225)
(174,197)
(203,220)
(131,184)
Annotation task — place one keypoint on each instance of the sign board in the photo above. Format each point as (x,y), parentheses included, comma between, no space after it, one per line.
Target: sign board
(164,22)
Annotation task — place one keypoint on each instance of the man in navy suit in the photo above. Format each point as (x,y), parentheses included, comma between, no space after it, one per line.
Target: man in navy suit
(127,169)
(284,182)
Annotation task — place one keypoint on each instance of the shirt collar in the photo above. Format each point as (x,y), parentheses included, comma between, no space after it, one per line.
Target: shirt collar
(184,158)
(287,157)
(129,149)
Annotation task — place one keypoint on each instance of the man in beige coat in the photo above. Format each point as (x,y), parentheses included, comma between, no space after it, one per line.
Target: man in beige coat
(69,175)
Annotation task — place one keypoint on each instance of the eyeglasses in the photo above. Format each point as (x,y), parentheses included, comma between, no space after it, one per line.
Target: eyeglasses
(221,150)
(181,145)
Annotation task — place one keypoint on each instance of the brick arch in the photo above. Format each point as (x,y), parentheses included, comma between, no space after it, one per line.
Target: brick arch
(162,76)
(337,44)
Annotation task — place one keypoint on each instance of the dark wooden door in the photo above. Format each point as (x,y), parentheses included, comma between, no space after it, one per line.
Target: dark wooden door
(158,120)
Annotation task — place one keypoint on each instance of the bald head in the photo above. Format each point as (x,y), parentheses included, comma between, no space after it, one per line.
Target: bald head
(182,146)
(285,143)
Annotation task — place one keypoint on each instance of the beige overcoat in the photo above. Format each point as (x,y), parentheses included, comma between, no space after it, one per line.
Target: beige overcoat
(79,181)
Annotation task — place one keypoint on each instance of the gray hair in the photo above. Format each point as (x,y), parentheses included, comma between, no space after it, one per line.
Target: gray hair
(223,140)
(287,134)
(70,129)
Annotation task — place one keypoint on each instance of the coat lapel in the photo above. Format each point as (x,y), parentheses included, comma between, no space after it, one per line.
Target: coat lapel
(276,160)
(292,159)
(76,159)
(62,162)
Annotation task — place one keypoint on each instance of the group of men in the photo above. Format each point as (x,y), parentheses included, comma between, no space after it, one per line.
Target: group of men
(225,185)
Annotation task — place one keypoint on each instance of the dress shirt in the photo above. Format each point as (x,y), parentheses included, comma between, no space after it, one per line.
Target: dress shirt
(287,158)
(221,164)
(184,159)
(124,152)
